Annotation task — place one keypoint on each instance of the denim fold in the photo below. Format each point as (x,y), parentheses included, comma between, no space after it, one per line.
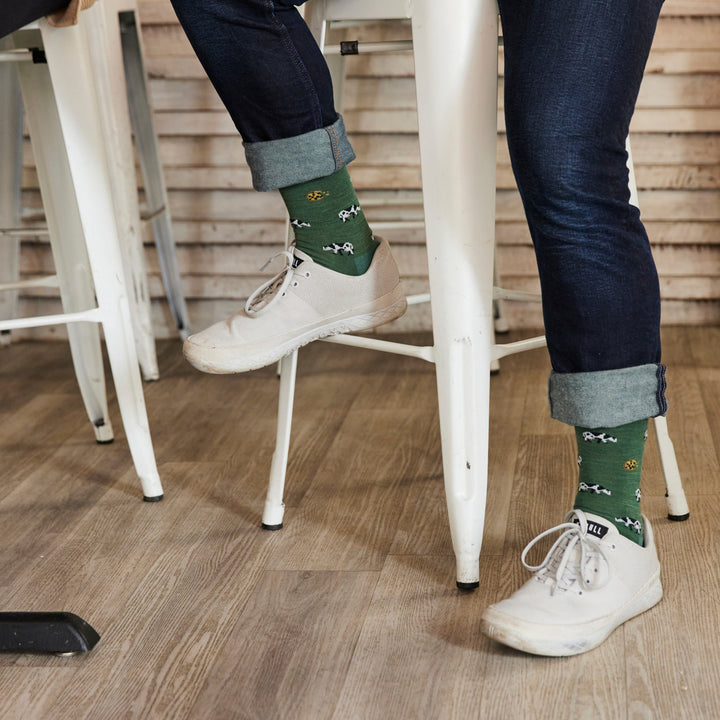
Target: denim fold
(608,398)
(288,161)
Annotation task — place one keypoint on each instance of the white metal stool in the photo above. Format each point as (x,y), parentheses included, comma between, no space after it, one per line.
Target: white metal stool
(126,113)
(11,133)
(455,52)
(128,89)
(65,120)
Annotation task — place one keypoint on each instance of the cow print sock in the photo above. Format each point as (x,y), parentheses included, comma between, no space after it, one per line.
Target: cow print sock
(329,223)
(610,462)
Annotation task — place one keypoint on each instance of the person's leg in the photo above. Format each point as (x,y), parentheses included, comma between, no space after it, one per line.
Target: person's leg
(265,65)
(13,15)
(572,73)
(272,77)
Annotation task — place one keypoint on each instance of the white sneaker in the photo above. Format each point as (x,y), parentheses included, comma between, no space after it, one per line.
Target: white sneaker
(303,302)
(591,581)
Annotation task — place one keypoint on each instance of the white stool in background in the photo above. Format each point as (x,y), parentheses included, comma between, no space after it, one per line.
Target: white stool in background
(455,51)
(128,88)
(126,113)
(64,115)
(11,134)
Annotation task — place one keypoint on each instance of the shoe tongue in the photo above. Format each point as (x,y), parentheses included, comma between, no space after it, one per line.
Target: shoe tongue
(299,257)
(596,526)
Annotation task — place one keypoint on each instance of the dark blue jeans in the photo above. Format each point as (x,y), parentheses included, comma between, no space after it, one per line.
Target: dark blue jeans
(572,74)
(14,14)
(264,63)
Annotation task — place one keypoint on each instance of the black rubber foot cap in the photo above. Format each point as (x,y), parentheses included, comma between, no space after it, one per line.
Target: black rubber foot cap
(154,498)
(272,527)
(105,442)
(678,518)
(468,586)
(46,632)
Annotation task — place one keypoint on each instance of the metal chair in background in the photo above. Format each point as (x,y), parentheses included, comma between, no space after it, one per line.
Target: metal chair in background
(66,121)
(127,114)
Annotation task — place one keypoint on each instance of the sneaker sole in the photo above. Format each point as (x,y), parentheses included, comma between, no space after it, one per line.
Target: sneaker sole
(566,640)
(221,361)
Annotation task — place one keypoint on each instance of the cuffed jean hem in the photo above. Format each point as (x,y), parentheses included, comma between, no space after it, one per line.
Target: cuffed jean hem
(608,398)
(288,161)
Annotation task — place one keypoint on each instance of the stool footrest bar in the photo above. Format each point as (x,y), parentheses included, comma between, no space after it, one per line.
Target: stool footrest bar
(150,215)
(398,224)
(93,315)
(353,47)
(502,294)
(47,281)
(24,232)
(502,350)
(418,299)
(20,55)
(423,352)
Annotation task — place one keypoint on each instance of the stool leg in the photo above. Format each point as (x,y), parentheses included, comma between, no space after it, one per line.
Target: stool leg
(80,118)
(677,504)
(67,242)
(274,510)
(151,168)
(314,15)
(501,323)
(11,137)
(115,117)
(274,506)
(456,77)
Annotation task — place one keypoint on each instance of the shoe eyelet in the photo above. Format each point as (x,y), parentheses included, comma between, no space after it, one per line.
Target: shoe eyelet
(307,274)
(295,284)
(579,592)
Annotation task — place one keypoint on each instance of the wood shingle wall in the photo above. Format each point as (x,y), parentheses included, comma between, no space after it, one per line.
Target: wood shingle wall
(225,230)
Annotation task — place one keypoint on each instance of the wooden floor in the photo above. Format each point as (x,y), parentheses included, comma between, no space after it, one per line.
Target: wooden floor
(351,611)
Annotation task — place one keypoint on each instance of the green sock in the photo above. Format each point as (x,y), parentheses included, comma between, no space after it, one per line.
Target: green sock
(610,461)
(329,224)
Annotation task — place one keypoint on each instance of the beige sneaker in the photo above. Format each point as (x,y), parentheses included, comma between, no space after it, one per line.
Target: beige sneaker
(303,302)
(591,581)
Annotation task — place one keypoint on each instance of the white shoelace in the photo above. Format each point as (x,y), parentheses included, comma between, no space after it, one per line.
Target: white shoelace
(560,565)
(274,288)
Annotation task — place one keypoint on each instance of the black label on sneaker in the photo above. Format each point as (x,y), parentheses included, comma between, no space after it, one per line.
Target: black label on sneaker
(595,528)
(296,261)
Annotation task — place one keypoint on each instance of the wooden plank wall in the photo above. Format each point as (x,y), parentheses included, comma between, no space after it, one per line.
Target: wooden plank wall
(225,231)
